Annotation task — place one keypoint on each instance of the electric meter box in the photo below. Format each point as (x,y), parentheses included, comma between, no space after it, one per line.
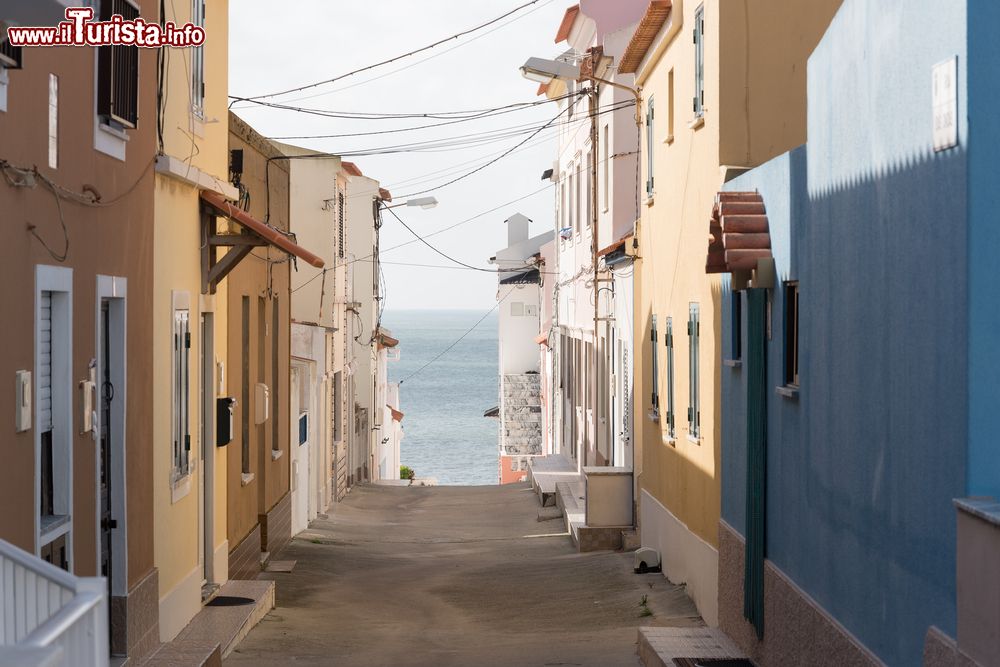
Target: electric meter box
(225,421)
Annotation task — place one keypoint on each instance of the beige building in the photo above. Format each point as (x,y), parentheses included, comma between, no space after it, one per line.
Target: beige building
(723,89)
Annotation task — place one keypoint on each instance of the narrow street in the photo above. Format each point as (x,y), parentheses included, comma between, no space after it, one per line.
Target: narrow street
(454,576)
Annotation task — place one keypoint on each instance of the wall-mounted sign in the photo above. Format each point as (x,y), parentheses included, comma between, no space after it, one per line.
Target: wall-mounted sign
(944,79)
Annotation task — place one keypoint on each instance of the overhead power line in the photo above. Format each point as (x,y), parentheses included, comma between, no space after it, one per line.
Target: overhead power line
(395,58)
(460,338)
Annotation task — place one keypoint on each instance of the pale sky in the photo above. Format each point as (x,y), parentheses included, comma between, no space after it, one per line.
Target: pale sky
(276,46)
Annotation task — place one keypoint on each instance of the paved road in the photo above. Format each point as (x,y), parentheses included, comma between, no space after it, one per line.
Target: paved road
(441,576)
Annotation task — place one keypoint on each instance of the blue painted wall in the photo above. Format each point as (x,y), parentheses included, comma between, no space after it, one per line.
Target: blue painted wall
(863,465)
(984,249)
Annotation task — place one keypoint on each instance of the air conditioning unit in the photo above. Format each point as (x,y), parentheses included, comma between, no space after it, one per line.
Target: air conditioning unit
(647,560)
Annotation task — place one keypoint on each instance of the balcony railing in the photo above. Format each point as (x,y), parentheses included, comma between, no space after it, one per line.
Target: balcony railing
(48,616)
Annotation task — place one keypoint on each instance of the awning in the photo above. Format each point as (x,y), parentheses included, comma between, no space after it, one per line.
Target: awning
(385,340)
(492,412)
(531,277)
(739,233)
(649,26)
(255,234)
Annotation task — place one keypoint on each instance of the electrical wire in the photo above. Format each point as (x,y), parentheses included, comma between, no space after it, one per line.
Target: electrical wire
(449,257)
(460,338)
(395,58)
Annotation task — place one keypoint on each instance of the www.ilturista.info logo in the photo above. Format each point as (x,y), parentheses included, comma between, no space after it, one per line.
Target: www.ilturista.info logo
(79,29)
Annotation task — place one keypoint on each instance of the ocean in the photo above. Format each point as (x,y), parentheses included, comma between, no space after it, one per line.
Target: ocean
(445,435)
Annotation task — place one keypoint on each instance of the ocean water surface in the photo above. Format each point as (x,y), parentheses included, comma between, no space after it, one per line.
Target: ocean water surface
(445,433)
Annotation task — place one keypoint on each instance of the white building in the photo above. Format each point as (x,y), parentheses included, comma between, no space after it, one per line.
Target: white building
(389,428)
(596,183)
(318,382)
(519,296)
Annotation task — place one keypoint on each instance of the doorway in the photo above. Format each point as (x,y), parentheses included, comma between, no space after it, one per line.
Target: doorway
(206,480)
(109,432)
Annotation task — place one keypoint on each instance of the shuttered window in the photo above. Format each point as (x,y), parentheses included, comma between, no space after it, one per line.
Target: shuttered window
(10,55)
(649,148)
(181,392)
(669,339)
(118,71)
(44,397)
(655,397)
(699,61)
(694,404)
(198,61)
(340,224)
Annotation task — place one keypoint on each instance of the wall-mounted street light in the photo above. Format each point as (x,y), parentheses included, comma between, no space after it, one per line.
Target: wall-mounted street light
(422,202)
(542,70)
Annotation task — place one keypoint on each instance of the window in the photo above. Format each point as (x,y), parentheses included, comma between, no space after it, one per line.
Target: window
(792,333)
(670,106)
(275,374)
(340,224)
(245,389)
(655,396)
(181,377)
(562,207)
(574,198)
(671,427)
(606,162)
(54,412)
(736,325)
(10,55)
(649,148)
(118,71)
(53,121)
(338,408)
(198,62)
(694,409)
(261,371)
(588,191)
(699,61)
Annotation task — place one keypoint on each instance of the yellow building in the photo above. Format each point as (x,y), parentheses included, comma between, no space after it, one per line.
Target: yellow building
(724,89)
(189,325)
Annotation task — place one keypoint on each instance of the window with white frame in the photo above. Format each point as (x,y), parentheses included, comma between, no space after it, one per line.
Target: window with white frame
(10,58)
(181,387)
(588,190)
(53,121)
(53,413)
(649,147)
(198,62)
(699,61)
(118,71)
(606,164)
(574,198)
(694,372)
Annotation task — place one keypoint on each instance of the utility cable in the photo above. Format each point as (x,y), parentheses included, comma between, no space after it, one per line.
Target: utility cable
(395,58)
(460,338)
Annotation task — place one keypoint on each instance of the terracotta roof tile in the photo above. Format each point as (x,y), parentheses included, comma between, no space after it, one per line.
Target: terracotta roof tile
(567,23)
(384,194)
(351,168)
(739,233)
(649,25)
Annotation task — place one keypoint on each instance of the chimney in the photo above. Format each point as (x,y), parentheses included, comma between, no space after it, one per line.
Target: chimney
(517,229)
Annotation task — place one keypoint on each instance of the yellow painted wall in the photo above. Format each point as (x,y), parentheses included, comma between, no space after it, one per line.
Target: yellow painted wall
(202,144)
(765,43)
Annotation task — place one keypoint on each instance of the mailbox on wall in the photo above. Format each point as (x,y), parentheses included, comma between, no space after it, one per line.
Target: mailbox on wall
(225,423)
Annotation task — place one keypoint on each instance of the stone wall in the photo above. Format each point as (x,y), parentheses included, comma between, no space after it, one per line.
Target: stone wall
(520,415)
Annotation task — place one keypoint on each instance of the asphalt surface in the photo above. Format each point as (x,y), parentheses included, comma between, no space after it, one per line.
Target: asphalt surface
(441,576)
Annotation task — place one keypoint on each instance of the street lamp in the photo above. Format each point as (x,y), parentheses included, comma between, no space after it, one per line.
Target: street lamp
(542,70)
(422,202)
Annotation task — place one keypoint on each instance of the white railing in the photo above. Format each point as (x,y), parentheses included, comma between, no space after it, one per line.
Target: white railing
(48,616)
